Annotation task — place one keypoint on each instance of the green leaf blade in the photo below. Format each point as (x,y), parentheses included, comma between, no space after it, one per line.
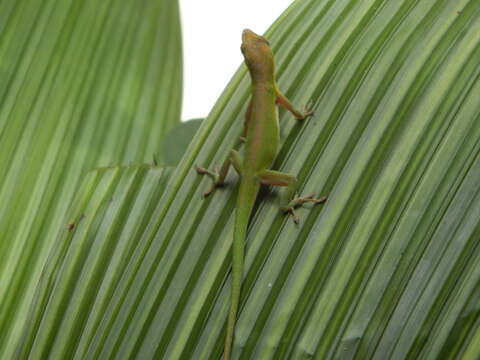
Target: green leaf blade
(96,246)
(86,86)
(388,266)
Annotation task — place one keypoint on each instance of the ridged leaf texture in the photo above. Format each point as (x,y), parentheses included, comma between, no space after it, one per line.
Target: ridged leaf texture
(387,268)
(83,84)
(101,242)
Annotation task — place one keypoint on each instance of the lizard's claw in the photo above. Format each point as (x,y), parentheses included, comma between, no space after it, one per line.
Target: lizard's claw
(200,170)
(291,211)
(299,201)
(209,191)
(308,113)
(213,174)
(307,110)
(308,198)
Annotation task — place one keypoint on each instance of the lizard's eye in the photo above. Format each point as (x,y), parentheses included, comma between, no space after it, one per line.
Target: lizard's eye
(262,39)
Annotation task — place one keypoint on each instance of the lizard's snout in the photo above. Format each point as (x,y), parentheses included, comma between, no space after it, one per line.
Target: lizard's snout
(247,35)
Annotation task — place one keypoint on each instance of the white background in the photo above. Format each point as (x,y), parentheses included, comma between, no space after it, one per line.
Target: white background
(211,31)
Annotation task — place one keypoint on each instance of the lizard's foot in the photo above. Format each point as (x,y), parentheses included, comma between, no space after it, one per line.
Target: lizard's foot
(299,201)
(293,214)
(215,175)
(307,111)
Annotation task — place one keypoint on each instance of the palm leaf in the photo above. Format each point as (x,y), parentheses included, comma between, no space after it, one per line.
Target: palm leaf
(389,267)
(83,84)
(93,250)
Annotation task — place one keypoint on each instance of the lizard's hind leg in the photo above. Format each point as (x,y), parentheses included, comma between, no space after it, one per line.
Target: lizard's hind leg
(218,175)
(288,201)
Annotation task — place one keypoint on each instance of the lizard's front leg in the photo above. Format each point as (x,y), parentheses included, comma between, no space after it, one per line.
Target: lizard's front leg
(218,175)
(288,201)
(285,103)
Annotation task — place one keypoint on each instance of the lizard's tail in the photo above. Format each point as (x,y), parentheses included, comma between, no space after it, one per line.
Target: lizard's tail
(245,202)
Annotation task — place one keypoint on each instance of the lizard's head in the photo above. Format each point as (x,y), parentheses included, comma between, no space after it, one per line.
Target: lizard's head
(257,53)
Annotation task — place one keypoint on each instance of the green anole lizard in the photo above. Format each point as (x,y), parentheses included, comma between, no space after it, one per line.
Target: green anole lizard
(262,139)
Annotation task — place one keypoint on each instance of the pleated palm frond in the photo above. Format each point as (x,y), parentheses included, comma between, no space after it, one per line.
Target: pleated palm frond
(387,268)
(101,241)
(82,84)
